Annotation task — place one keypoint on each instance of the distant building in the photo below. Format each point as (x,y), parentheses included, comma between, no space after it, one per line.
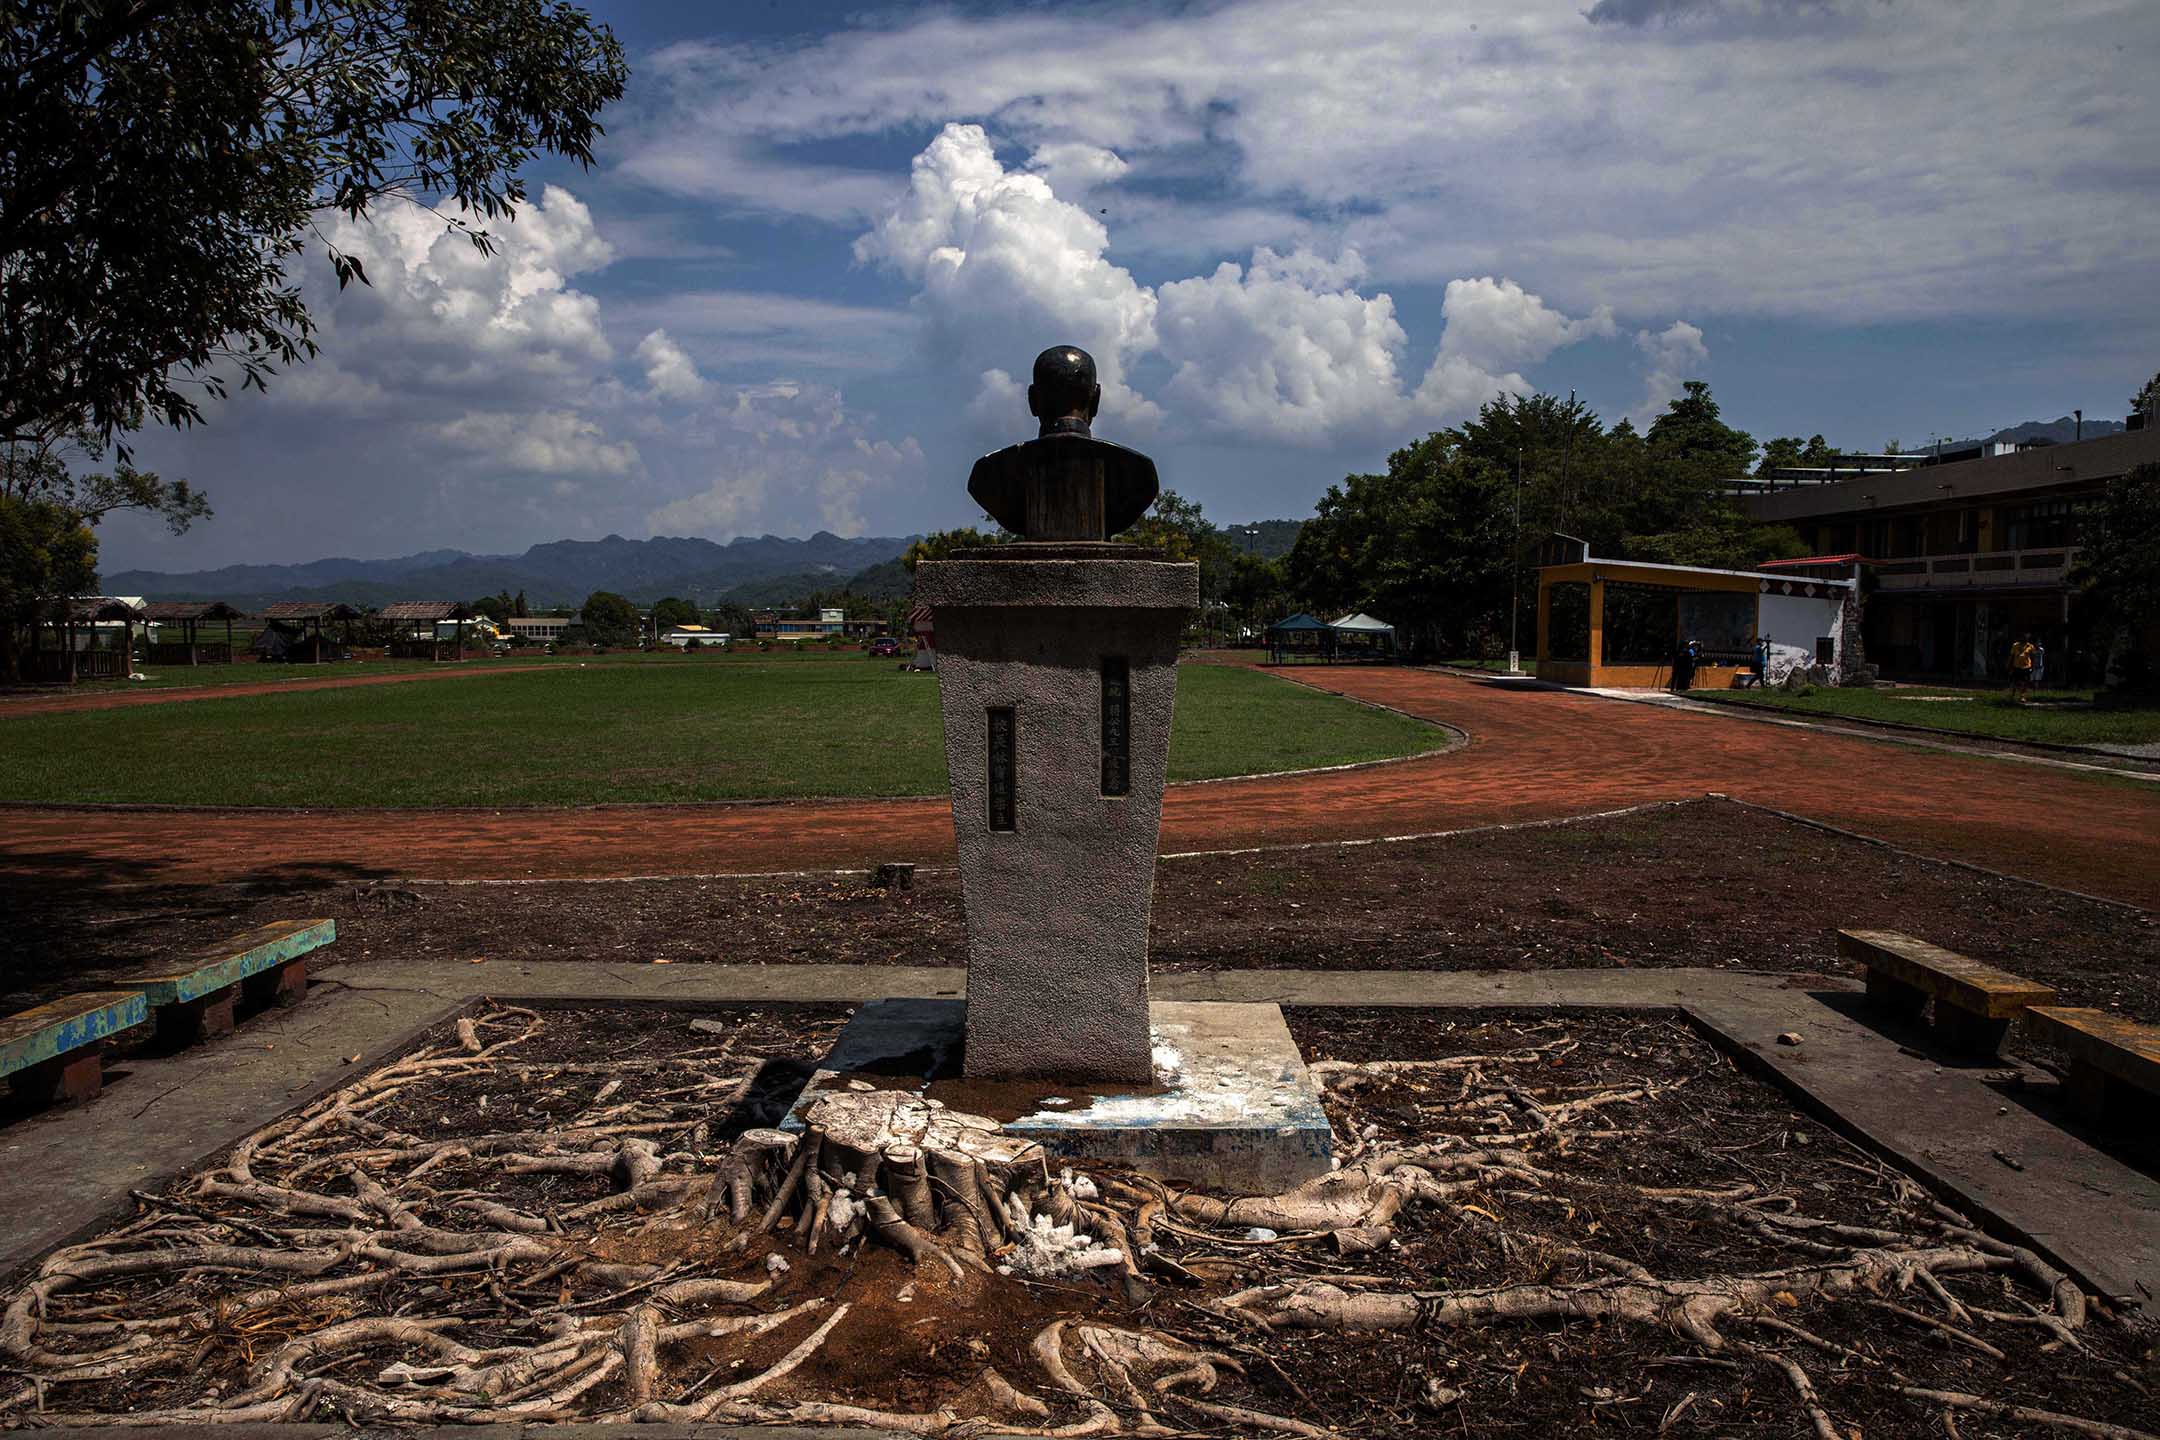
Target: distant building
(537,628)
(830,621)
(1620,624)
(1955,559)
(681,636)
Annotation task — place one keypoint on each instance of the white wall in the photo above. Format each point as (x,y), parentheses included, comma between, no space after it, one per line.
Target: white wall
(1792,623)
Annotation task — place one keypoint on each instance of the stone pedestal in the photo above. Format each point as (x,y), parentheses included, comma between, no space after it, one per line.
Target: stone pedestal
(1230,1106)
(1057,672)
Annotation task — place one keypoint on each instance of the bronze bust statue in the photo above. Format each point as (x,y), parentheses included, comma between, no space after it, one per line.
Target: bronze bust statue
(1064,484)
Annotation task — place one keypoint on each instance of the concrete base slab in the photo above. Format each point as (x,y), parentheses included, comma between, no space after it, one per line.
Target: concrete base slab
(1232,1107)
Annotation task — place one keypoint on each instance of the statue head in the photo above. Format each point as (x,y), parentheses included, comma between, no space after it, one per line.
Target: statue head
(1065,395)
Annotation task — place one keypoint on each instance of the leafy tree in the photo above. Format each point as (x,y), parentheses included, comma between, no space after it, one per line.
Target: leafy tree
(940,544)
(2119,570)
(609,618)
(38,470)
(497,607)
(47,554)
(1256,591)
(1789,452)
(50,503)
(1680,507)
(1176,526)
(2147,400)
(672,612)
(1723,539)
(1424,546)
(162,165)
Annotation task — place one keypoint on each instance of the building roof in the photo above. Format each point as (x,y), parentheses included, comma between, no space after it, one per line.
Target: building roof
(104,607)
(2035,468)
(422,610)
(168,611)
(1298,623)
(1611,571)
(310,610)
(1362,624)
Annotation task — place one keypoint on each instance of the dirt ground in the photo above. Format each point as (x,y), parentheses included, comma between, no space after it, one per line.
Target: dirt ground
(1643,1152)
(1533,755)
(1705,883)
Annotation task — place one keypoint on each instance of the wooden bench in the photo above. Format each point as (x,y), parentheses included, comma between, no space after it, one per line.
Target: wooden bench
(195,1000)
(1974,1003)
(2114,1062)
(56,1052)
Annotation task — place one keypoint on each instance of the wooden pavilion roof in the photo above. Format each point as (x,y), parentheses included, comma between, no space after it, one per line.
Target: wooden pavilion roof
(310,610)
(168,611)
(102,607)
(423,610)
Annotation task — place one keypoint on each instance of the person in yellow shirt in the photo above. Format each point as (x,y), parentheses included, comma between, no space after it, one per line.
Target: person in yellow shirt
(2021,668)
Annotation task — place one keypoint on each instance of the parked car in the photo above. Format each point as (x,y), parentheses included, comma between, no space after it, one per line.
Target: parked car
(884,647)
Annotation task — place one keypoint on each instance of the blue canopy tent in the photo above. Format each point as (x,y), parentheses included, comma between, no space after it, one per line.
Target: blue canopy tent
(1299,636)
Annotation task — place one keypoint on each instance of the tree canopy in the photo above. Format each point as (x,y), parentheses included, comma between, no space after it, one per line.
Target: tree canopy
(161,166)
(1434,545)
(608,617)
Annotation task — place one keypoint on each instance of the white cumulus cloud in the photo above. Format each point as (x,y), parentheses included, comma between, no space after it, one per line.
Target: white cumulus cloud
(548,442)
(785,445)
(1675,354)
(669,371)
(431,291)
(1285,349)
(1005,267)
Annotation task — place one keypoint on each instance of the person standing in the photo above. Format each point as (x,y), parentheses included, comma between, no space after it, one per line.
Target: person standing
(1683,667)
(2039,675)
(1762,662)
(2021,669)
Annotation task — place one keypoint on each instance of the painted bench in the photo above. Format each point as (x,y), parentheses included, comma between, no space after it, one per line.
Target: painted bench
(56,1052)
(1974,1003)
(2114,1062)
(195,1000)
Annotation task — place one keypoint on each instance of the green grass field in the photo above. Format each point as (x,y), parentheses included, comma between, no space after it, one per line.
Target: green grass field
(247,672)
(650,731)
(2061,718)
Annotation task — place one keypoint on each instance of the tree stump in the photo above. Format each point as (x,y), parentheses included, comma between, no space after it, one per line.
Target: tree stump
(932,1182)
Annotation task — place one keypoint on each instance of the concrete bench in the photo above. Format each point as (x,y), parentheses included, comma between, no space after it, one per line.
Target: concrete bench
(194,1001)
(56,1052)
(1974,1003)
(2114,1062)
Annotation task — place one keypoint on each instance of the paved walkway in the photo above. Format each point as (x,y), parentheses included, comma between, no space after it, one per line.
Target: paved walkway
(1533,754)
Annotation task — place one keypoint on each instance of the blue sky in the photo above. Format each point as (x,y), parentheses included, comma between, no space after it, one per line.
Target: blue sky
(821,243)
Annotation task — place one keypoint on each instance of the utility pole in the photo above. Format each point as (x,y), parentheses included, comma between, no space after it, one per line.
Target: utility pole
(1514,651)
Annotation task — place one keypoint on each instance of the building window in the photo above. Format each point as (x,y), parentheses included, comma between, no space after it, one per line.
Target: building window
(1567,621)
(2041,525)
(1640,624)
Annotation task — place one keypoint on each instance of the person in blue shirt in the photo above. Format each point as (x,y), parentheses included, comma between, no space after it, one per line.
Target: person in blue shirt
(1762,661)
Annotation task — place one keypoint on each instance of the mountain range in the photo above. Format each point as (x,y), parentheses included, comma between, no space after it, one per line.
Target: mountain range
(767,569)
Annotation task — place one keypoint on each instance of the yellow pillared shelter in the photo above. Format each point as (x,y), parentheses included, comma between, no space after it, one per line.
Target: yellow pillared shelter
(1619,623)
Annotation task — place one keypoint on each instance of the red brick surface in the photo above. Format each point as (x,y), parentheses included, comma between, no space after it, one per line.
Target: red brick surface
(1532,755)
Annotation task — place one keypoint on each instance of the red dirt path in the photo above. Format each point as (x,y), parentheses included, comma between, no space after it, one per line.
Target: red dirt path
(117,699)
(1533,755)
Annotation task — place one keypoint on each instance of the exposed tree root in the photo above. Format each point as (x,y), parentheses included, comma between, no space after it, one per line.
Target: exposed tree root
(338,1267)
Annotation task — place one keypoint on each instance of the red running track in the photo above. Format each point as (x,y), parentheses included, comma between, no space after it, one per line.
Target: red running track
(1533,754)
